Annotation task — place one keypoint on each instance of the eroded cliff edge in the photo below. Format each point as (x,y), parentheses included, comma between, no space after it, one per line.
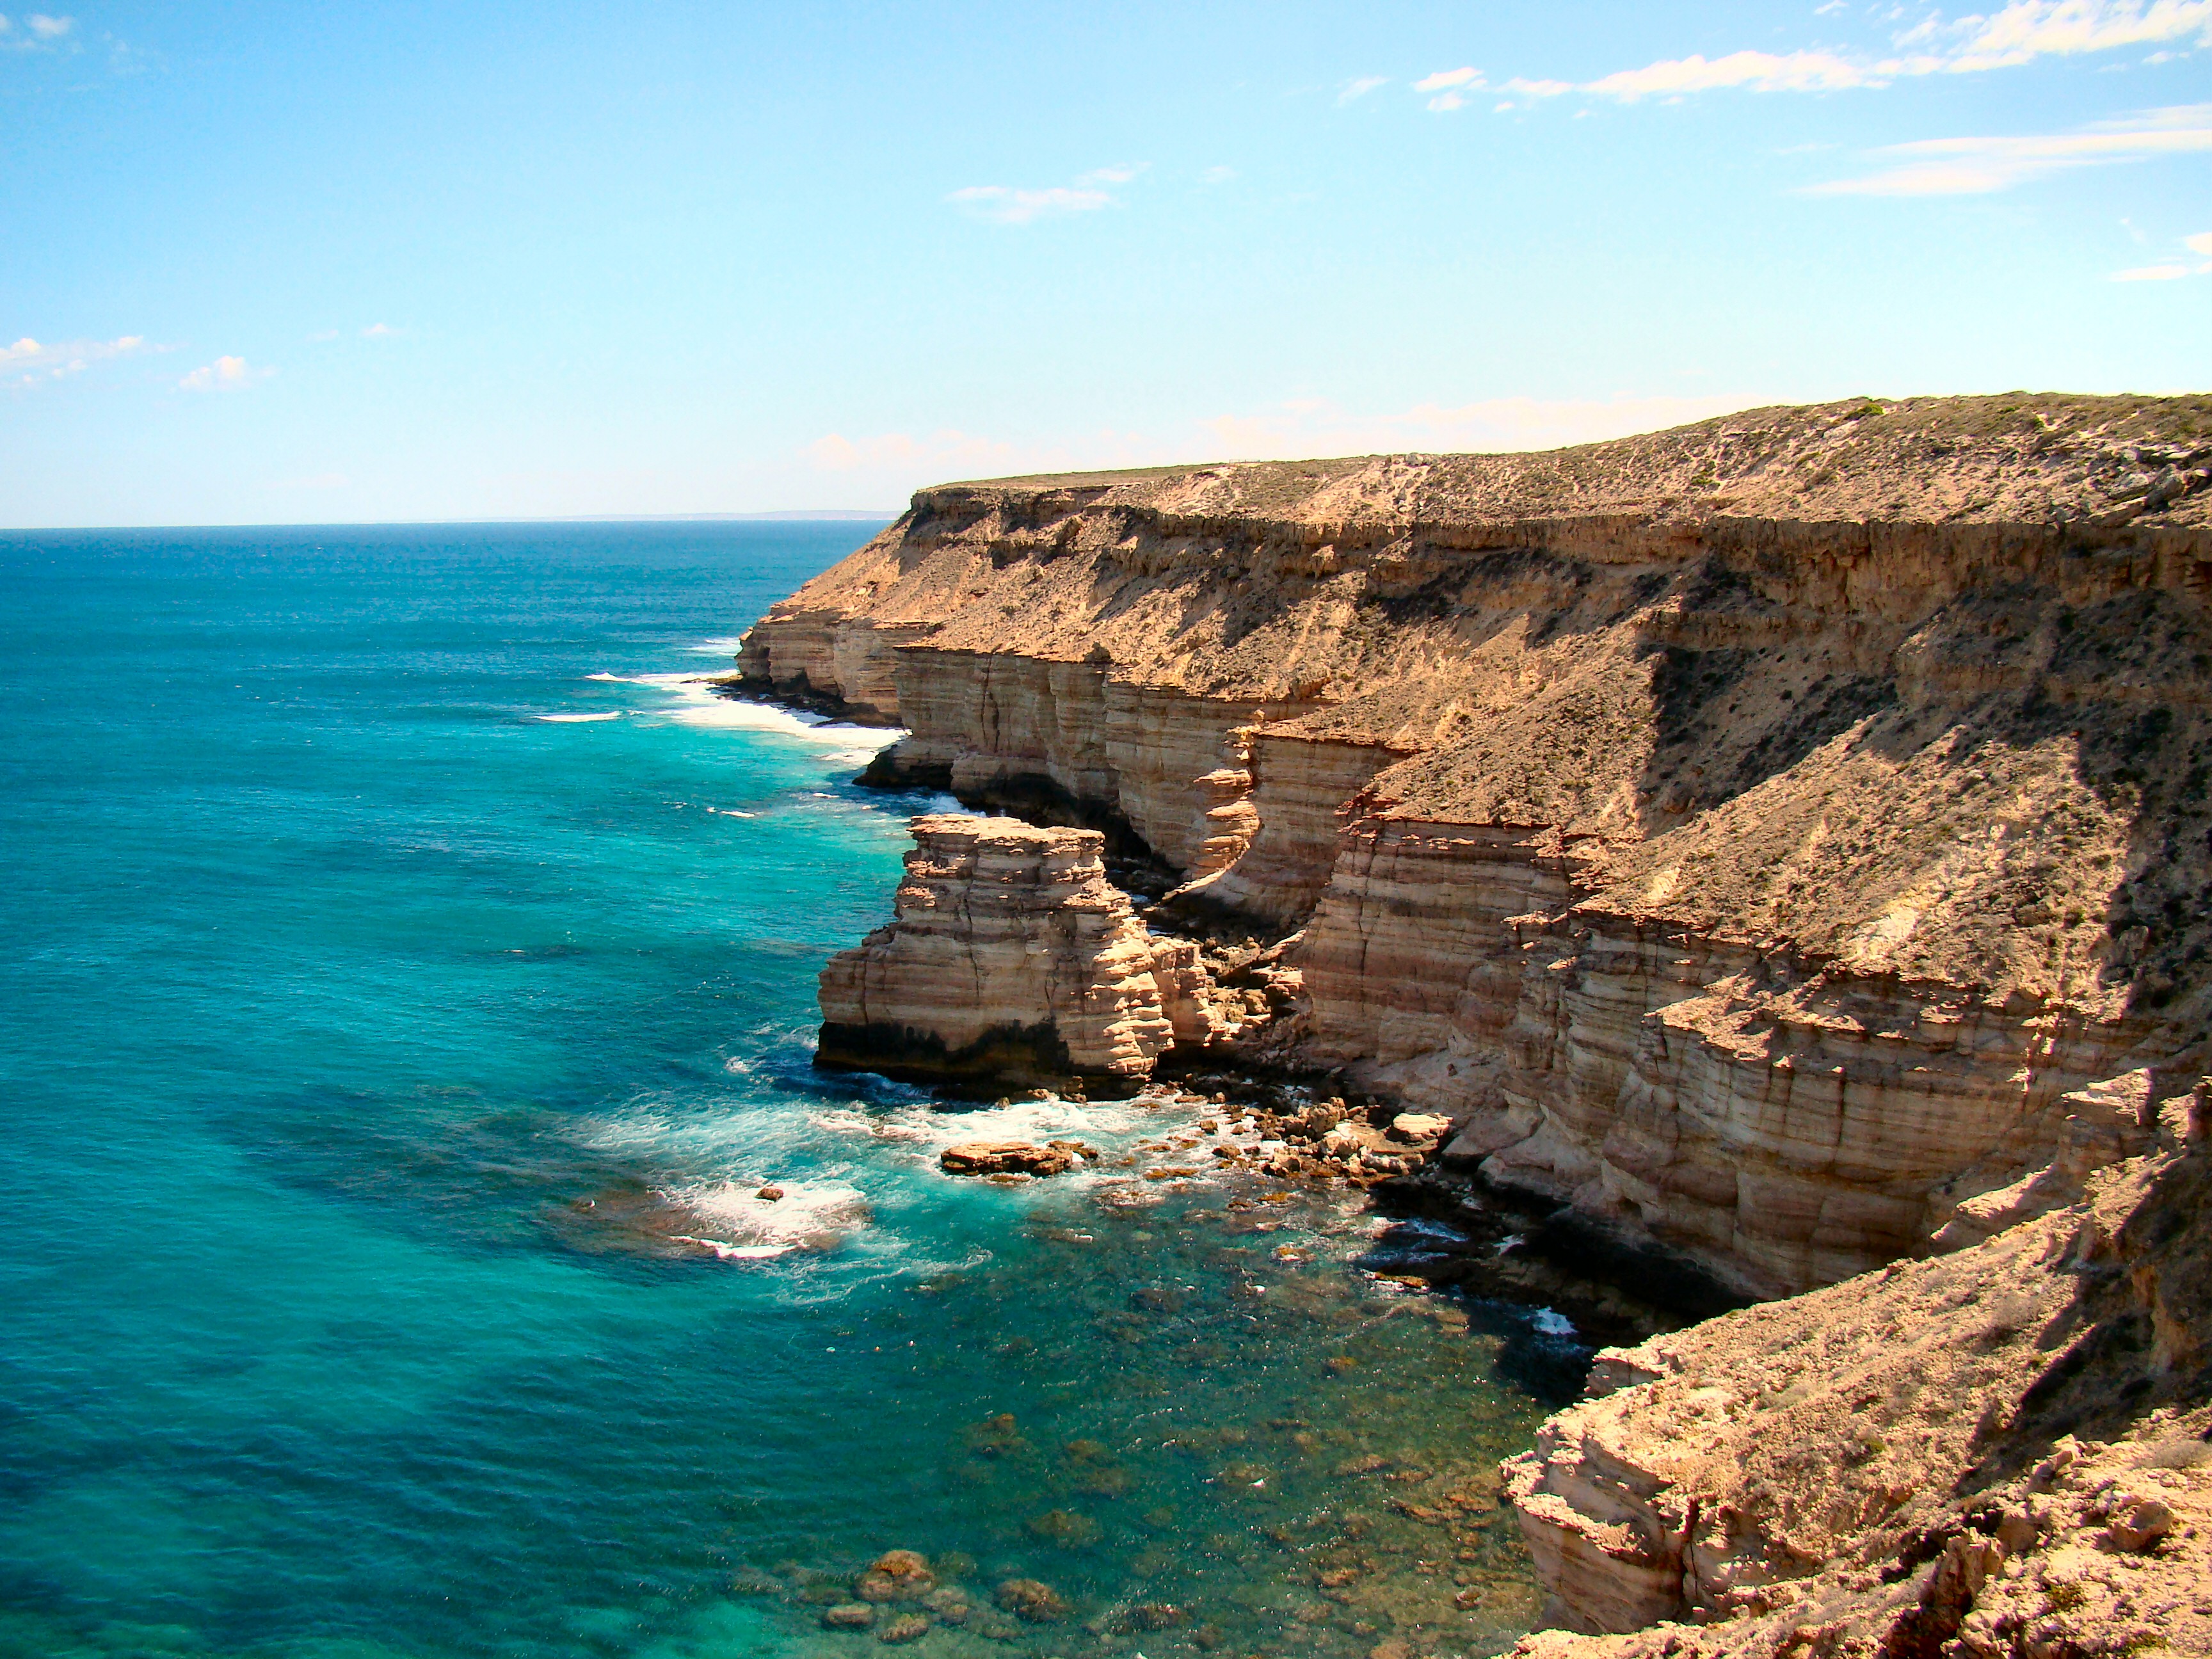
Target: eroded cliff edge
(1784,837)
(1755,830)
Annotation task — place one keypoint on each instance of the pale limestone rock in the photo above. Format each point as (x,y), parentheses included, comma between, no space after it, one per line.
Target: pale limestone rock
(1789,1127)
(1002,727)
(1782,837)
(985,1157)
(1200,1013)
(1288,819)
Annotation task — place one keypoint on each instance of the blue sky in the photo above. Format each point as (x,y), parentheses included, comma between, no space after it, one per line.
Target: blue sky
(270,263)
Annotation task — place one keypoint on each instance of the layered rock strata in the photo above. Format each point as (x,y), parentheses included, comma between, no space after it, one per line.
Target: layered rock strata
(1752,833)
(1786,838)
(1010,959)
(1998,1453)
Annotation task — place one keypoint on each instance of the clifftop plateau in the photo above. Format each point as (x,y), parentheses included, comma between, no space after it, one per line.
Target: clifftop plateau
(1783,841)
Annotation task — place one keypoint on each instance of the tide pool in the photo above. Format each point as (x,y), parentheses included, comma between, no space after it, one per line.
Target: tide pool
(398,935)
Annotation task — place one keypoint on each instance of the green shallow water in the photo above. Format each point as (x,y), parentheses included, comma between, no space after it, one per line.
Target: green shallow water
(406,962)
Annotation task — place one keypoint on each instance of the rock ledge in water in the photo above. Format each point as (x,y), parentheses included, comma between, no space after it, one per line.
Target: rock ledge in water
(985,1157)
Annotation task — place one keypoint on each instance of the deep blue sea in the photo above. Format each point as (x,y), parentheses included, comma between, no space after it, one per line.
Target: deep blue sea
(407,984)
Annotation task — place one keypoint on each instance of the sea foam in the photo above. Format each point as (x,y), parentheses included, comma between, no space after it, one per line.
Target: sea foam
(697,702)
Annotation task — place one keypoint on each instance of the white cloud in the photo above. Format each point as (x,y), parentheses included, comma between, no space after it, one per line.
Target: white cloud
(1361,88)
(1315,427)
(1450,87)
(44,32)
(224,374)
(2029,29)
(1752,71)
(322,335)
(2016,34)
(379,332)
(1216,175)
(1010,206)
(2172,269)
(1018,207)
(1973,167)
(29,362)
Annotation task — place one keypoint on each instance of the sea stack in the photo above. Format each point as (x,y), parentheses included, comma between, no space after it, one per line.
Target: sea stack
(1011,960)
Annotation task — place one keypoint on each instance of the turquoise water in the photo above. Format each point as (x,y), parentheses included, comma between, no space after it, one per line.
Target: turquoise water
(409,986)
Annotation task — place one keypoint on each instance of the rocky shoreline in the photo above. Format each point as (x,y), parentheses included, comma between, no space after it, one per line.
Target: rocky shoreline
(1771,851)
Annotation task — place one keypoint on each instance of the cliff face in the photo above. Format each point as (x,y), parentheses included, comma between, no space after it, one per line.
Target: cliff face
(1996,1455)
(1752,833)
(1786,838)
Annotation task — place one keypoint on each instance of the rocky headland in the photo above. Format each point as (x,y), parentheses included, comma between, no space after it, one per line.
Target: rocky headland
(1780,844)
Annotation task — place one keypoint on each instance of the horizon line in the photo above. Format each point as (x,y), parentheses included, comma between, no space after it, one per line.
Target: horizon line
(826,515)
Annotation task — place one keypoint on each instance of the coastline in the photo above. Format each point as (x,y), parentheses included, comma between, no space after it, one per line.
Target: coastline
(1315,797)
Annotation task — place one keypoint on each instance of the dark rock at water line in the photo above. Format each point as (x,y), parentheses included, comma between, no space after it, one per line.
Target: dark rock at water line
(630,1218)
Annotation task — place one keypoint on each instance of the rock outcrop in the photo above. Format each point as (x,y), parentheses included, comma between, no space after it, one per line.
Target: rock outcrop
(1011,1158)
(1999,1453)
(1012,959)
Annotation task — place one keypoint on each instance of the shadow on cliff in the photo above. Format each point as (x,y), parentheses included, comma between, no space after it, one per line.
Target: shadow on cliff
(2134,1340)
(2006,681)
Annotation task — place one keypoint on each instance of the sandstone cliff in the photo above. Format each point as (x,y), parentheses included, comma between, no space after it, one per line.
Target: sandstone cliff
(1754,832)
(1784,838)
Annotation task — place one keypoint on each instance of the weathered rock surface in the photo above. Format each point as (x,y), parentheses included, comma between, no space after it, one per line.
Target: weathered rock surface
(982,1157)
(2002,1452)
(1032,1600)
(1754,832)
(1011,958)
(1786,838)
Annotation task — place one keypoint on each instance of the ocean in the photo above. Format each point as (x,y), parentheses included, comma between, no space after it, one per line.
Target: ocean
(409,987)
